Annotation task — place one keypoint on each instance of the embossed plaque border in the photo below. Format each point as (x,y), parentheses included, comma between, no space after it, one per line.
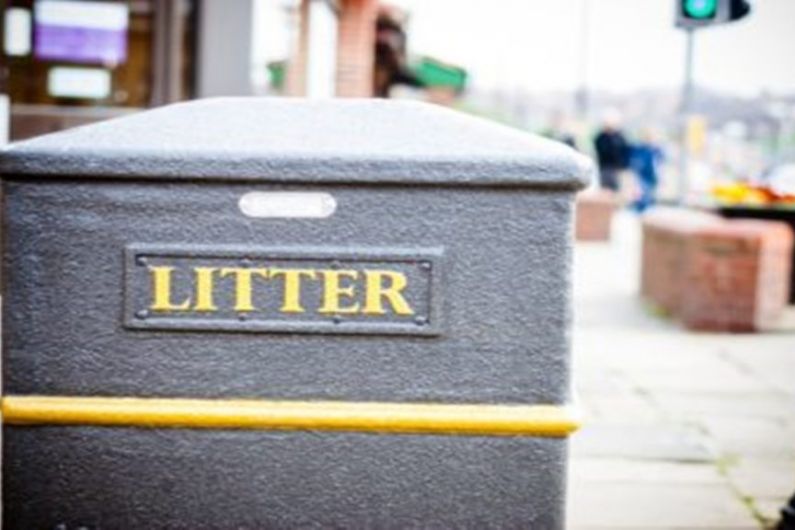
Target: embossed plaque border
(427,261)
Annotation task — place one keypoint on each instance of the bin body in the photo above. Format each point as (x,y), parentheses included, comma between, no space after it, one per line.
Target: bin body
(468,280)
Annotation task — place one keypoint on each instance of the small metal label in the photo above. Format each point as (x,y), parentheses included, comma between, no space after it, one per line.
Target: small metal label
(289,290)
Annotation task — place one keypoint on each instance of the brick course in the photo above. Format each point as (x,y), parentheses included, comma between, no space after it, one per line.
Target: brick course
(356,47)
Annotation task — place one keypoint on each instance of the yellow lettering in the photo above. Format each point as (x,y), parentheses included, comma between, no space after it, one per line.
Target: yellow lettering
(333,291)
(384,290)
(243,285)
(161,288)
(204,289)
(377,292)
(292,287)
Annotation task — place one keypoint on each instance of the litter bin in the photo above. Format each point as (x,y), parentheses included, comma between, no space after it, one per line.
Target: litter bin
(253,313)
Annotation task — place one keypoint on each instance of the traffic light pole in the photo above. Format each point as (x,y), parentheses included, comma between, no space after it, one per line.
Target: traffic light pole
(692,15)
(582,99)
(686,107)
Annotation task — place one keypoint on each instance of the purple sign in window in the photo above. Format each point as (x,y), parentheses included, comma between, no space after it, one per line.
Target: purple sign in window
(80,32)
(80,45)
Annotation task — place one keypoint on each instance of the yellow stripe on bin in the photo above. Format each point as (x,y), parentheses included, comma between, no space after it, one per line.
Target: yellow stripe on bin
(373,417)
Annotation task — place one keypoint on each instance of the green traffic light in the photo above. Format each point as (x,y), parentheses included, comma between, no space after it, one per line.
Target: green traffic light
(700,9)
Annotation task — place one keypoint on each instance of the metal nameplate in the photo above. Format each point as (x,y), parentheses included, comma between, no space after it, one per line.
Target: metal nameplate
(287,290)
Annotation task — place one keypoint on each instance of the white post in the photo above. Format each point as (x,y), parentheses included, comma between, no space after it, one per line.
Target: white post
(321,68)
(225,48)
(5,118)
(582,102)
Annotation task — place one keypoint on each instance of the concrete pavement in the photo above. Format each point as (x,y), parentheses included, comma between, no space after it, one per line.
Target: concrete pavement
(683,430)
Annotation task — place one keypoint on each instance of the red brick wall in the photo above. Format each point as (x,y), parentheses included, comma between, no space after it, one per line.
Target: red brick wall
(594,215)
(663,260)
(356,47)
(716,274)
(295,83)
(738,276)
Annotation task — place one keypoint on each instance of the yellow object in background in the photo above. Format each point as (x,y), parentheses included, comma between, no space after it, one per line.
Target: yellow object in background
(733,193)
(696,134)
(742,193)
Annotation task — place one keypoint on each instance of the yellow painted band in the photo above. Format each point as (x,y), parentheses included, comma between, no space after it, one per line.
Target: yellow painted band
(485,420)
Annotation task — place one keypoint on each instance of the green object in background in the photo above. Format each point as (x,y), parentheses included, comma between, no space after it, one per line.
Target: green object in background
(430,72)
(277,70)
(700,9)
(433,73)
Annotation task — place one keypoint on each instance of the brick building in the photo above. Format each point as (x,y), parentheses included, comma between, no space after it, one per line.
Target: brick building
(357,48)
(69,62)
(344,69)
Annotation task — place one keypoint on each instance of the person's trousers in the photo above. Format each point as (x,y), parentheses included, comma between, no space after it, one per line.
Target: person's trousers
(608,178)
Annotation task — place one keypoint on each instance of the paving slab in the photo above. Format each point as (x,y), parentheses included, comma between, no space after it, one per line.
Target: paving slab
(763,478)
(770,358)
(650,441)
(630,407)
(640,504)
(752,437)
(729,403)
(593,471)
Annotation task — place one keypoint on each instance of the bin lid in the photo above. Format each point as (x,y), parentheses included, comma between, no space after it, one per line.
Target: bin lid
(309,141)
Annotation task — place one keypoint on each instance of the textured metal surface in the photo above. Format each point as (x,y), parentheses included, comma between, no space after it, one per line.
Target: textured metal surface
(498,203)
(506,308)
(105,478)
(287,140)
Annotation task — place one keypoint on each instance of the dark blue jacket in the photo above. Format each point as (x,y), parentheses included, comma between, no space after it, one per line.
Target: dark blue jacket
(643,160)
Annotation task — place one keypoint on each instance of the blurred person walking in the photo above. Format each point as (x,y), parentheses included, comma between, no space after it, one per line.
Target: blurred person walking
(560,131)
(612,151)
(644,159)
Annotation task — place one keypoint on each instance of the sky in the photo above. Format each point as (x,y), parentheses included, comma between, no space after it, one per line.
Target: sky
(615,45)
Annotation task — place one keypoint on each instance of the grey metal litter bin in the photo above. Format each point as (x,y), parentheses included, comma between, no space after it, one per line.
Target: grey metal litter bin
(252,313)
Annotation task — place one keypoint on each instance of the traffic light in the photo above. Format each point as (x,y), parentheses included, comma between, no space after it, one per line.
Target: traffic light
(699,9)
(738,9)
(693,14)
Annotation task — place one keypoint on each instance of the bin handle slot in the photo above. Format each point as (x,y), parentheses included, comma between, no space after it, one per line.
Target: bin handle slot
(287,205)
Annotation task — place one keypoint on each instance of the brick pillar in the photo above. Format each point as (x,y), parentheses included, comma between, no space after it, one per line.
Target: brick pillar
(664,256)
(714,274)
(594,215)
(356,48)
(295,82)
(738,276)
